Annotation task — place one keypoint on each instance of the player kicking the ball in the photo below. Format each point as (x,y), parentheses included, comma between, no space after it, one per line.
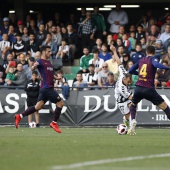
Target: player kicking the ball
(47,91)
(123,93)
(144,89)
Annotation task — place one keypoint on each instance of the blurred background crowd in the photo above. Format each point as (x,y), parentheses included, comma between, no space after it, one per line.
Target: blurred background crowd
(85,37)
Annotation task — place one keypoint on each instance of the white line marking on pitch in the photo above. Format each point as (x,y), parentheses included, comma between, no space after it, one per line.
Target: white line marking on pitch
(105,161)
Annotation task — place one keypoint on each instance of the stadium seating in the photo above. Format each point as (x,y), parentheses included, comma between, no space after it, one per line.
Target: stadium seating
(75,69)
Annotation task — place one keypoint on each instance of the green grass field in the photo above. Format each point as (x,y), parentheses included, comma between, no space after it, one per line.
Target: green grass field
(42,148)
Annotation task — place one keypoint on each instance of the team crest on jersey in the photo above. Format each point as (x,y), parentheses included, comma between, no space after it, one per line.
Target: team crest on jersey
(50,68)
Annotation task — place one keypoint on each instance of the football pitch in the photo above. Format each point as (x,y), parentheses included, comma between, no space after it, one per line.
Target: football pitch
(83,149)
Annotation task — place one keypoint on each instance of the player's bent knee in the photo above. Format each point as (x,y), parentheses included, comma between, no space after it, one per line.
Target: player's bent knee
(39,105)
(60,104)
(163,105)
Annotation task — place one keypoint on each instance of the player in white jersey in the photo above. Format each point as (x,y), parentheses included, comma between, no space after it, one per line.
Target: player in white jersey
(123,93)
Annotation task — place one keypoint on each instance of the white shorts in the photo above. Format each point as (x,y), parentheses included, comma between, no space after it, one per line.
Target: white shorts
(124,107)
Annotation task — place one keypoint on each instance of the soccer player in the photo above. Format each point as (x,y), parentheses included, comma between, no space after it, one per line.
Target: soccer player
(123,93)
(144,89)
(47,91)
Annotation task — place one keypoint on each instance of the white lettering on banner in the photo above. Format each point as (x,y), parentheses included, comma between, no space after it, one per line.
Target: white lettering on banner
(153,107)
(140,109)
(12,102)
(1,109)
(24,95)
(87,103)
(45,110)
(161,117)
(106,103)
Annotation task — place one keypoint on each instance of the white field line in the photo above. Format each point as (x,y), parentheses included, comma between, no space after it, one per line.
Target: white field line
(105,161)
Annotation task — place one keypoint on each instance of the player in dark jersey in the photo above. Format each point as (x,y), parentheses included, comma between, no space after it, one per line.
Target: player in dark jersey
(47,91)
(145,89)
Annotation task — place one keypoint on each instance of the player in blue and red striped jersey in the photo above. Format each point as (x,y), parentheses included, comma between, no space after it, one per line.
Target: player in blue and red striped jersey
(145,89)
(47,91)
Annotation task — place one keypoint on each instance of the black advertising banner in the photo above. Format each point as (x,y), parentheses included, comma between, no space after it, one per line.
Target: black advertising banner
(82,108)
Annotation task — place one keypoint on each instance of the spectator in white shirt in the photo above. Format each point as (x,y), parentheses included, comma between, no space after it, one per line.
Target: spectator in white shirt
(5,46)
(91,77)
(116,18)
(63,51)
(166,35)
(96,60)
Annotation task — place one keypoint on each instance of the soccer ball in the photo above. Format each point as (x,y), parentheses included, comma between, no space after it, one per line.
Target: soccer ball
(32,125)
(122,129)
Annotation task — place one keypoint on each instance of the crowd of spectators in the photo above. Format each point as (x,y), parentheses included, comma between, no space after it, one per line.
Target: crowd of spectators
(87,39)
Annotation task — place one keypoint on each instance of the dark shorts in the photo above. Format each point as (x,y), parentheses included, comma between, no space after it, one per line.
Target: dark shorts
(148,94)
(31,102)
(50,94)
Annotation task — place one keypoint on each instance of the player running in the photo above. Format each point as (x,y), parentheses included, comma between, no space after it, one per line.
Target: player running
(123,93)
(47,91)
(144,89)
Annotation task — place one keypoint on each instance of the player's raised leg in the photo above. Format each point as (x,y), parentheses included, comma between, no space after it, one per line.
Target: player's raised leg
(165,108)
(27,112)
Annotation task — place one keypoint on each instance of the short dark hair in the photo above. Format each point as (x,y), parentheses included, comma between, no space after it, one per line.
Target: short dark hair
(91,65)
(165,61)
(95,50)
(35,72)
(44,47)
(150,49)
(128,75)
(138,44)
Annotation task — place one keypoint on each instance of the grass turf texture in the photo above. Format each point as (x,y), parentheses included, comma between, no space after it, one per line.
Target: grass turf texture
(42,148)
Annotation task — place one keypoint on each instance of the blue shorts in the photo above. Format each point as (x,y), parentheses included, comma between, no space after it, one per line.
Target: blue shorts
(148,94)
(50,94)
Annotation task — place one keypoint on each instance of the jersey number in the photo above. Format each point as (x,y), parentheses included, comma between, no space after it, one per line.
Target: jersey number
(143,72)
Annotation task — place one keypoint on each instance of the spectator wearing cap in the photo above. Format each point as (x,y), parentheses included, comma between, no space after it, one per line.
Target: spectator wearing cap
(138,55)
(5,46)
(84,60)
(167,56)
(98,62)
(19,46)
(20,27)
(91,77)
(110,80)
(167,22)
(12,34)
(5,27)
(159,47)
(165,35)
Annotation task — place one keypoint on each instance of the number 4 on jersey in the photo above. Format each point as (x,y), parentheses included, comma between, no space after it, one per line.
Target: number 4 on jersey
(143,71)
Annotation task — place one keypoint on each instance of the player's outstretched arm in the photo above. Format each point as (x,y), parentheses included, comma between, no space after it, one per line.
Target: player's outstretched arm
(159,65)
(113,49)
(133,69)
